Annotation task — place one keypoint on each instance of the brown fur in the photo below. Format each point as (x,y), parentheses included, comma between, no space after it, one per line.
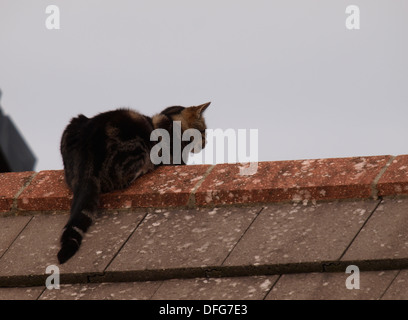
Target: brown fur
(108,152)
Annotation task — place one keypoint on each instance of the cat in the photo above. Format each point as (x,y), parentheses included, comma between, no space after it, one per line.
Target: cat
(108,152)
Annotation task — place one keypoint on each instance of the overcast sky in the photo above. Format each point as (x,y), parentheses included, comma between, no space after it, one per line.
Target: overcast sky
(289,68)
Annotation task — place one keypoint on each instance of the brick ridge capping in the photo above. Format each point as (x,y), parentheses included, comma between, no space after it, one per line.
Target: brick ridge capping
(218,185)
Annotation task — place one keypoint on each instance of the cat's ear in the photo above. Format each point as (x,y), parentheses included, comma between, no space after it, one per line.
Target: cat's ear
(201,108)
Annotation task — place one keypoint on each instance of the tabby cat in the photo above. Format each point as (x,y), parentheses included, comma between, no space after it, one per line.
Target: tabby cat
(108,152)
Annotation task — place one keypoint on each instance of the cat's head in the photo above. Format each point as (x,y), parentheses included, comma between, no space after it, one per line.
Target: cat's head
(190,118)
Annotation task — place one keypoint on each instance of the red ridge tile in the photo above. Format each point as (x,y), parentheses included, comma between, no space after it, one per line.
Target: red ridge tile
(172,186)
(298,180)
(167,186)
(47,192)
(394,181)
(10,184)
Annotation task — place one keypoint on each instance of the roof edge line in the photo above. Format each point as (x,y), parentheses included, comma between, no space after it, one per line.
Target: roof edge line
(374,189)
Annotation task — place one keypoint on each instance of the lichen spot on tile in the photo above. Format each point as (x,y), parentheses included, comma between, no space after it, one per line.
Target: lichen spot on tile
(199,230)
(360,211)
(203,248)
(265,285)
(398,188)
(359,167)
(198,178)
(306,164)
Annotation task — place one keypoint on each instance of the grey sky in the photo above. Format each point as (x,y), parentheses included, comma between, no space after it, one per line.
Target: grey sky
(290,69)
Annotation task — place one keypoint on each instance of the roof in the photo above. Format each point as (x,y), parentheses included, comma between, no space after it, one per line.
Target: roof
(15,154)
(205,232)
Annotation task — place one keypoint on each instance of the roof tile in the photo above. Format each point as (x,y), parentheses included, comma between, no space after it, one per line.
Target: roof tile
(184,238)
(331,286)
(287,233)
(383,237)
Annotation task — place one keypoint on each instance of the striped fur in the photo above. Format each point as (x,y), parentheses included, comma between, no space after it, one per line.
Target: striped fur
(108,152)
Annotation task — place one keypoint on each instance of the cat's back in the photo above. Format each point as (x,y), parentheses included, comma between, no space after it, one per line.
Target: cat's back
(127,123)
(83,134)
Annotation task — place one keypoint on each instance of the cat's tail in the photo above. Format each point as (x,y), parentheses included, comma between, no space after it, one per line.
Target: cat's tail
(84,207)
